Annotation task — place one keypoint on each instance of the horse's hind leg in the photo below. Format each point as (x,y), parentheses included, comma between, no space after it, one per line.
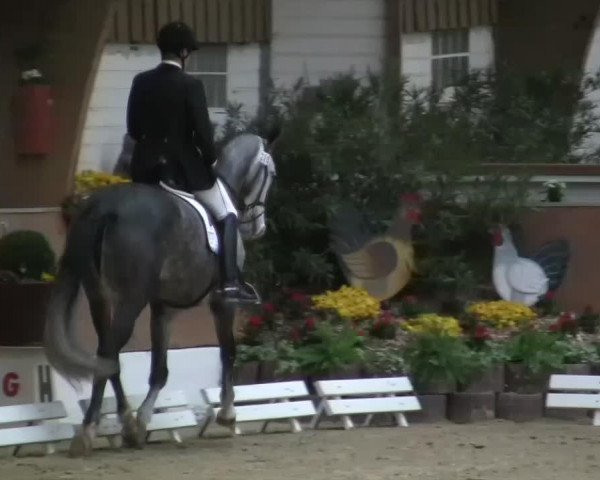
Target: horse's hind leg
(160,333)
(113,333)
(224,315)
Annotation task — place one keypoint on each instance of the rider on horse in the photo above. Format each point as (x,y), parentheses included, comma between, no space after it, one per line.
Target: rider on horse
(167,116)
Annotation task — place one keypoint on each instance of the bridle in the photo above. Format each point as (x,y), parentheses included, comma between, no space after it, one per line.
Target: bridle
(247,202)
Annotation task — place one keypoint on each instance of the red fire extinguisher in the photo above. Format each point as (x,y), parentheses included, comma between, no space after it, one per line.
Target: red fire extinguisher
(34,119)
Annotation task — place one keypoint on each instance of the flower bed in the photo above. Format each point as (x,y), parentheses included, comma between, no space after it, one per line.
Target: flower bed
(465,361)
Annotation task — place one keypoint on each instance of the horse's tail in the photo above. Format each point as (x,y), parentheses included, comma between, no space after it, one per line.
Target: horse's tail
(81,258)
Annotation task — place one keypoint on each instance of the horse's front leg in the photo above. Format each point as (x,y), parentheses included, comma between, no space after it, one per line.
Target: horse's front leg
(224,315)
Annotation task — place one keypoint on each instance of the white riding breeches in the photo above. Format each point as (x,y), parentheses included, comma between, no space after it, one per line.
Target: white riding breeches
(217,201)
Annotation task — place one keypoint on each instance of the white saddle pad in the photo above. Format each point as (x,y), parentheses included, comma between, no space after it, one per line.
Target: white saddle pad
(211,232)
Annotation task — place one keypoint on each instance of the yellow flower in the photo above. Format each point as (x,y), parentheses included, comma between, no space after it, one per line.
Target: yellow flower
(48,277)
(502,314)
(89,180)
(350,303)
(433,323)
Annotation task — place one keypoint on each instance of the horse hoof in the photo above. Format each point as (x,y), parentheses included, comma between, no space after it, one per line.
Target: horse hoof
(135,439)
(226,422)
(81,446)
(130,432)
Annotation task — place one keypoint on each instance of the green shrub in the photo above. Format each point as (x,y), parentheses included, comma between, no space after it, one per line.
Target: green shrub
(367,142)
(27,254)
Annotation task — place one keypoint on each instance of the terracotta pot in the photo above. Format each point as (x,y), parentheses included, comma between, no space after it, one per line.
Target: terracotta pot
(471,407)
(246,374)
(491,380)
(23,311)
(433,409)
(520,407)
(520,380)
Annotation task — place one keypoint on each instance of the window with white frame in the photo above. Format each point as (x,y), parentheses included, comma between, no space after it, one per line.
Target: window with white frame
(209,63)
(449,57)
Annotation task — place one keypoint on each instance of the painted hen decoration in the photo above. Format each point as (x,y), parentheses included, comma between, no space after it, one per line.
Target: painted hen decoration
(527,280)
(381,264)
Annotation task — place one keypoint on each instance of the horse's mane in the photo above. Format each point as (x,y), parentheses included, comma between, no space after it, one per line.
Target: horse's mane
(236,158)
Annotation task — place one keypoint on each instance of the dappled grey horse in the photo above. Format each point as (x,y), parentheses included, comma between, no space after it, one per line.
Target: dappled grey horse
(136,245)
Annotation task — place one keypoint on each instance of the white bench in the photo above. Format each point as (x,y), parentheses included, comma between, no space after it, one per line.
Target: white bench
(263,403)
(27,424)
(578,391)
(365,396)
(171,412)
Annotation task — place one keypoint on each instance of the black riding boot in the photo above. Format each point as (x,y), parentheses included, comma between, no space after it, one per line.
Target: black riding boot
(231,287)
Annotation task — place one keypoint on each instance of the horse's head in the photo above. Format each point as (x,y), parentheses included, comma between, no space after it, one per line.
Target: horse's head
(247,169)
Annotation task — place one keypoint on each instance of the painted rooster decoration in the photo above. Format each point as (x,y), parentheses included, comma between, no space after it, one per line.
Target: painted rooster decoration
(381,264)
(527,280)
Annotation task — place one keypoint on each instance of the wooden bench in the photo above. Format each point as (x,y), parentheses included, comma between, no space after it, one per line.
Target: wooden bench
(263,403)
(171,412)
(576,392)
(342,398)
(27,425)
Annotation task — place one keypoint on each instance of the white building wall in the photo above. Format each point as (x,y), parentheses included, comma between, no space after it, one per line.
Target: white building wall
(417,53)
(105,124)
(316,39)
(591,66)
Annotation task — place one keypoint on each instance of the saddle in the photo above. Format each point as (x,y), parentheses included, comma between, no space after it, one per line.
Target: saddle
(211,232)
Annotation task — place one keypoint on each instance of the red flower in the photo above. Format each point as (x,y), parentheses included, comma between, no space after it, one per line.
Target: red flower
(310,323)
(296,336)
(410,300)
(361,333)
(269,308)
(553,328)
(481,333)
(414,197)
(386,318)
(414,215)
(551,295)
(298,297)
(256,321)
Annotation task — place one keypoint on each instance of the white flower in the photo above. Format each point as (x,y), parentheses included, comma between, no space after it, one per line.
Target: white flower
(29,74)
(554,184)
(335,177)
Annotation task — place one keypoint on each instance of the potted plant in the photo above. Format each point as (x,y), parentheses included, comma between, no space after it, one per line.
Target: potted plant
(27,266)
(531,356)
(589,321)
(436,364)
(330,350)
(383,359)
(249,363)
(87,182)
(425,329)
(579,357)
(554,191)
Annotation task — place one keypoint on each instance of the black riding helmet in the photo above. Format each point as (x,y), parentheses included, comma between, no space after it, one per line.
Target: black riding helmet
(176,36)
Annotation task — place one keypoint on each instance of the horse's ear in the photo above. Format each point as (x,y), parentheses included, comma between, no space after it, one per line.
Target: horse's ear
(272,136)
